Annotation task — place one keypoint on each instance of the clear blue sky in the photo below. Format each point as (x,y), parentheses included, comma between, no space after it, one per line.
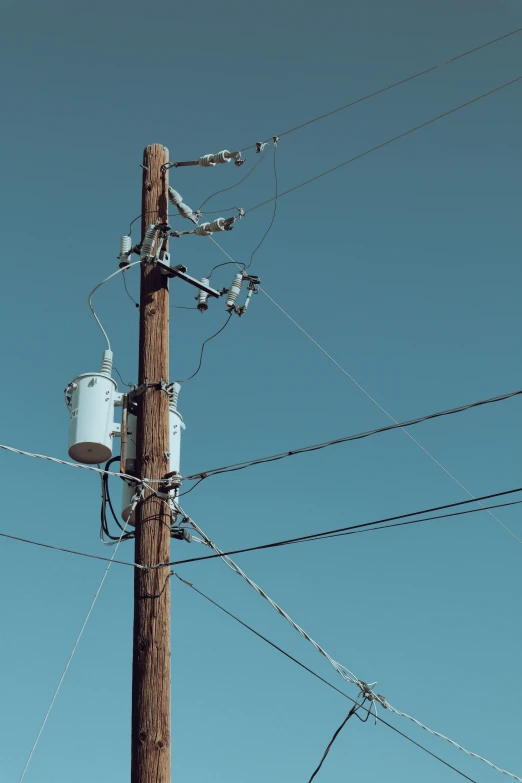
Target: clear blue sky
(404,265)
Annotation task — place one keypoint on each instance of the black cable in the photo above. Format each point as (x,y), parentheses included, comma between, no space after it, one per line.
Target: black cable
(322,679)
(190,490)
(67,551)
(366,526)
(203,348)
(182,307)
(158,595)
(338,731)
(231,187)
(276,196)
(359,436)
(127,290)
(385,143)
(106,498)
(118,373)
(225,263)
(391,86)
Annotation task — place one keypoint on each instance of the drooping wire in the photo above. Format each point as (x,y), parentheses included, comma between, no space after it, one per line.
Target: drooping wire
(225,263)
(318,677)
(385,143)
(336,734)
(231,187)
(276,196)
(392,86)
(203,348)
(124,278)
(118,373)
(117,272)
(368,527)
(347,438)
(106,500)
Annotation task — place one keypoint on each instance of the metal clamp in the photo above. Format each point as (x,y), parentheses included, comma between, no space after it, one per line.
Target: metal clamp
(139,390)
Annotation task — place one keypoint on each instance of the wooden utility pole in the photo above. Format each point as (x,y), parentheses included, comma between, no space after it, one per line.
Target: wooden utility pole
(150,758)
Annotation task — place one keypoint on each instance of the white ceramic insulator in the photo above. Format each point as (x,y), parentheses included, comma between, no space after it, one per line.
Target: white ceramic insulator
(106,365)
(125,247)
(174,197)
(92,418)
(175,389)
(244,308)
(202,295)
(234,290)
(217,225)
(203,230)
(148,242)
(207,160)
(222,157)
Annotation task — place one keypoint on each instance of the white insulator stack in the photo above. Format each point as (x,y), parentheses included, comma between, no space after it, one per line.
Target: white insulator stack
(184,210)
(148,242)
(91,426)
(234,291)
(203,296)
(125,249)
(206,229)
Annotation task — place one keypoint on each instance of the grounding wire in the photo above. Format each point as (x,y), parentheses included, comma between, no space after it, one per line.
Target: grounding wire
(123,277)
(117,272)
(60,682)
(392,86)
(367,527)
(348,676)
(385,143)
(347,438)
(318,676)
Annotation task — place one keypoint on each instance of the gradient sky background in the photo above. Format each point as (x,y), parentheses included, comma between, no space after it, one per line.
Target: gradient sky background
(404,266)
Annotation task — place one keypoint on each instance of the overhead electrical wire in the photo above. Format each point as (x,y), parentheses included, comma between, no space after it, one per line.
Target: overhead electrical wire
(235,185)
(385,143)
(203,348)
(352,712)
(347,438)
(276,195)
(369,527)
(68,663)
(117,272)
(390,86)
(69,551)
(372,399)
(318,677)
(366,690)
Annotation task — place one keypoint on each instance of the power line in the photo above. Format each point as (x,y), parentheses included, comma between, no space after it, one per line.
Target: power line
(60,682)
(385,143)
(318,676)
(368,527)
(386,413)
(365,689)
(352,712)
(69,551)
(391,86)
(117,272)
(347,438)
(276,183)
(372,399)
(203,348)
(231,187)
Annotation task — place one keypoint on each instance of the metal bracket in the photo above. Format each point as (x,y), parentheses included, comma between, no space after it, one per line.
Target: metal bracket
(139,390)
(181,272)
